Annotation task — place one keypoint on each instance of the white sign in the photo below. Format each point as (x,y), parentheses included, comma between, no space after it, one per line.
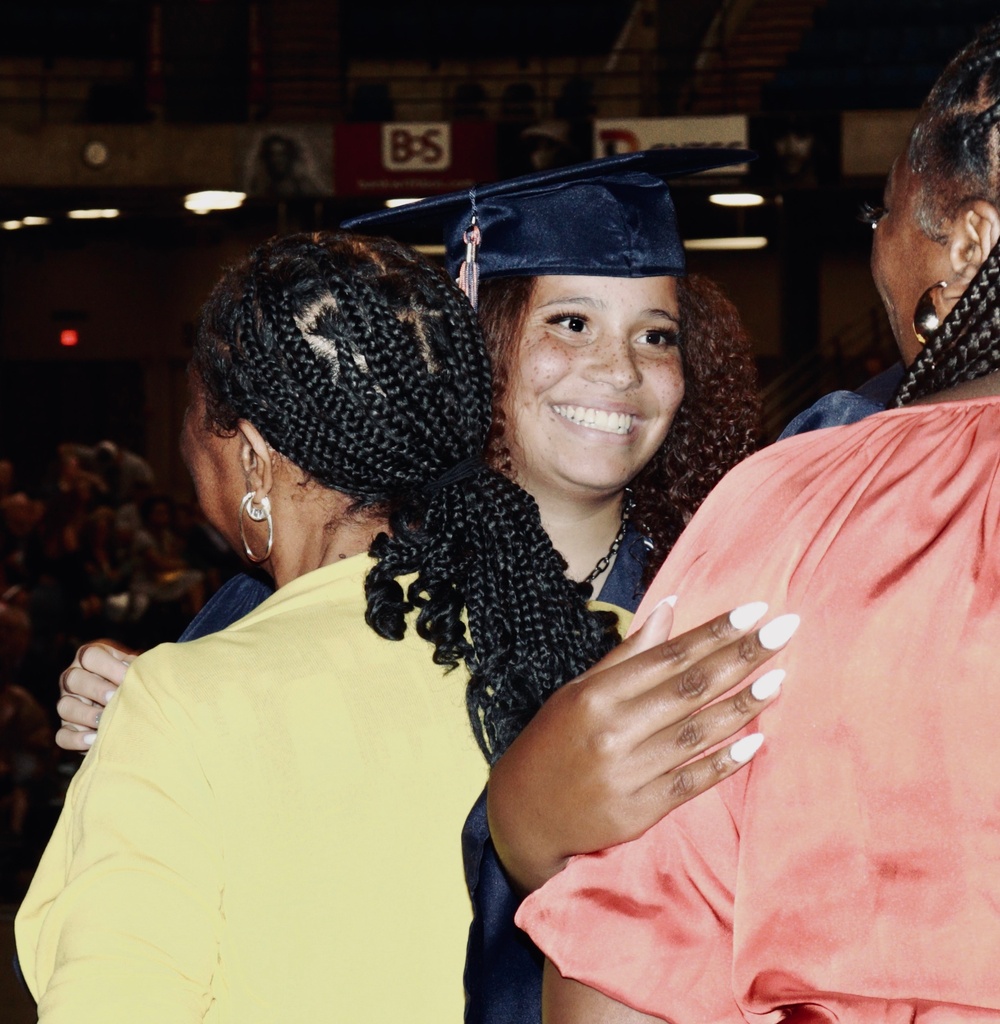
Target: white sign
(630,135)
(416,146)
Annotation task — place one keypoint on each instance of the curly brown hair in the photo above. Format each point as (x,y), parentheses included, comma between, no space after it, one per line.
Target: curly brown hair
(716,426)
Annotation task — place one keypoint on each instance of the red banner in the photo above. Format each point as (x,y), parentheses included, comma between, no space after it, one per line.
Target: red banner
(417,158)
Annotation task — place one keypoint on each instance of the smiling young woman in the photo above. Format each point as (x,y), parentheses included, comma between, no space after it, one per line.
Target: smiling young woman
(597,380)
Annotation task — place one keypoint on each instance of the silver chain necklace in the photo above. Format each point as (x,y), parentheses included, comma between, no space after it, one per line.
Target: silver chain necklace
(628,503)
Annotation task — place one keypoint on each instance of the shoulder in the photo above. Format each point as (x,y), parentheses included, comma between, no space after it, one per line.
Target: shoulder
(834,410)
(793,483)
(234,599)
(882,387)
(247,630)
(771,480)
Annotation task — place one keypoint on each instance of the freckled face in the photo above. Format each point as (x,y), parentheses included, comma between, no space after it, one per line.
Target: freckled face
(595,384)
(905,262)
(214,465)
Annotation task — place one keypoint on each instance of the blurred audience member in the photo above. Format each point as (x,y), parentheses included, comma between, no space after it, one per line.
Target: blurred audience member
(73,477)
(125,476)
(162,577)
(27,763)
(204,547)
(19,515)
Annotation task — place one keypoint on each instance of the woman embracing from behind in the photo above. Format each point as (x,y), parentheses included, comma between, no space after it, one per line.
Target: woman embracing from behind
(226,852)
(851,874)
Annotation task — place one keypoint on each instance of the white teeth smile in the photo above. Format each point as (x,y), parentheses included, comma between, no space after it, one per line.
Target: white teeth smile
(596,419)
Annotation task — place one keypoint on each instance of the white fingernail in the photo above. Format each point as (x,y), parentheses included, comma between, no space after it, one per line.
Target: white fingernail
(89,737)
(108,696)
(768,684)
(672,600)
(778,632)
(747,614)
(742,750)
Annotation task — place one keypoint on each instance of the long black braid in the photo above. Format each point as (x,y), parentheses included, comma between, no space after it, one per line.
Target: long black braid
(955,150)
(362,363)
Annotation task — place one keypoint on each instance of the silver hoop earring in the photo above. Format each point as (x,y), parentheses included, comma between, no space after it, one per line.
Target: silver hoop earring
(926,322)
(258,514)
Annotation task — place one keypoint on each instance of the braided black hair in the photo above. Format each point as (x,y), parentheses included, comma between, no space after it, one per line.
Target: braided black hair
(362,363)
(955,151)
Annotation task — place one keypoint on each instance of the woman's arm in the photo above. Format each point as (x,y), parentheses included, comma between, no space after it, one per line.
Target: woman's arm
(618,748)
(123,918)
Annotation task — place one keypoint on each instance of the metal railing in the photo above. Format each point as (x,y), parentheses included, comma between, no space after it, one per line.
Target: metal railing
(636,83)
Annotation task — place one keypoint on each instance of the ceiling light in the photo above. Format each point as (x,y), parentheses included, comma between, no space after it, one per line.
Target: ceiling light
(736,199)
(212,199)
(92,214)
(393,203)
(742,242)
(34,222)
(11,225)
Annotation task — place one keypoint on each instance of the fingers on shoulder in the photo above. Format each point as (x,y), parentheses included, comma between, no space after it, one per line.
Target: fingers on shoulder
(87,687)
(76,712)
(681,784)
(72,737)
(723,667)
(106,663)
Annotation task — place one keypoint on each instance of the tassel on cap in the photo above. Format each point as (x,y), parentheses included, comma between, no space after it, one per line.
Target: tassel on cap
(468,272)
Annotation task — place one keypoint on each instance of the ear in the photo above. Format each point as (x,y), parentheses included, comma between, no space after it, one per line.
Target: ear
(256,458)
(971,238)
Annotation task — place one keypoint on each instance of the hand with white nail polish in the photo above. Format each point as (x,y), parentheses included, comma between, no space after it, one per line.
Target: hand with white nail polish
(641,733)
(85,688)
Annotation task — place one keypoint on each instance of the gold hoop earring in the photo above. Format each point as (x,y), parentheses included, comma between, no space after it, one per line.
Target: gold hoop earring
(259,514)
(926,322)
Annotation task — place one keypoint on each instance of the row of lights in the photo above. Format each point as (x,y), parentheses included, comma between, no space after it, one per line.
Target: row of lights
(214,199)
(34,222)
(736,243)
(197,202)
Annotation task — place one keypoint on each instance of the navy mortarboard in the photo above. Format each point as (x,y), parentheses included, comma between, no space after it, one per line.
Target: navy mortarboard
(612,218)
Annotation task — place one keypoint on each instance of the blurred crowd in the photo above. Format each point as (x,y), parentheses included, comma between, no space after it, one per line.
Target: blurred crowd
(92,551)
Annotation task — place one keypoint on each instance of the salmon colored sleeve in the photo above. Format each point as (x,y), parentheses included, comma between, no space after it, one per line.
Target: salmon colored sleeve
(649,923)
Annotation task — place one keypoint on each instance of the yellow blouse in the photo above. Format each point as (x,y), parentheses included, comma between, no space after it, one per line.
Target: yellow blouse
(267,829)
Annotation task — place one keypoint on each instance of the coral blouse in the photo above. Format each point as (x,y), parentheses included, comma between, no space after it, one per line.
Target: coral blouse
(852,871)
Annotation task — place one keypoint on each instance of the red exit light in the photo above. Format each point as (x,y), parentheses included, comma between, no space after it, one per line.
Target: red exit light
(68,338)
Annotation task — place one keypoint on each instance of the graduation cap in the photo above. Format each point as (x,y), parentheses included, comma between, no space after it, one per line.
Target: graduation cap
(609,218)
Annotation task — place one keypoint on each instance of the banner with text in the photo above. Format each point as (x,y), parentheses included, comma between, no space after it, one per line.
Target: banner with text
(629,135)
(397,159)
